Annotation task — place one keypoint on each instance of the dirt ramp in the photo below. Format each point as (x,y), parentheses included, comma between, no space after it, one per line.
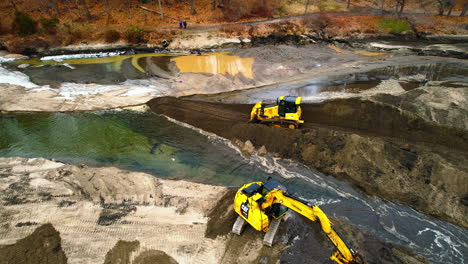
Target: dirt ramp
(394,162)
(44,245)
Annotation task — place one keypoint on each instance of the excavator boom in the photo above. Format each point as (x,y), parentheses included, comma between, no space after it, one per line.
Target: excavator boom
(313,213)
(257,202)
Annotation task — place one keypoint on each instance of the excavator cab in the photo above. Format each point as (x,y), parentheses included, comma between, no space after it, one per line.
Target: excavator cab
(287,105)
(263,204)
(285,113)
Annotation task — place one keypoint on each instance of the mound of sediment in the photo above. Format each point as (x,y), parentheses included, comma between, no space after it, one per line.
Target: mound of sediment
(105,205)
(42,246)
(373,146)
(136,218)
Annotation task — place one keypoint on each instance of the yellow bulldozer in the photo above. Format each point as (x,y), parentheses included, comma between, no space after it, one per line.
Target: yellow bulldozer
(263,204)
(285,113)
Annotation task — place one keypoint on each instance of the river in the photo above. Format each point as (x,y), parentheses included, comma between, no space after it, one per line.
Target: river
(153,144)
(144,141)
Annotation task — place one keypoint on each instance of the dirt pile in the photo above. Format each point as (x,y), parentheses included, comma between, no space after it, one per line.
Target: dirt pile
(106,205)
(123,252)
(392,164)
(42,246)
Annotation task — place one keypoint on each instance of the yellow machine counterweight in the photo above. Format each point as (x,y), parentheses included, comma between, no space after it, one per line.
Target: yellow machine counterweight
(263,204)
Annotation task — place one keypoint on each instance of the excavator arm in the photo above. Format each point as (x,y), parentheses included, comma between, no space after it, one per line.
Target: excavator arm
(345,254)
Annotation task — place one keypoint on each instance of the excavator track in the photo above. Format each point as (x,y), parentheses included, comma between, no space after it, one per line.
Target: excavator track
(238,226)
(271,233)
(280,123)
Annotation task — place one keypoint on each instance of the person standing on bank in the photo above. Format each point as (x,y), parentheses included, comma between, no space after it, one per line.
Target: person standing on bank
(185,23)
(180,24)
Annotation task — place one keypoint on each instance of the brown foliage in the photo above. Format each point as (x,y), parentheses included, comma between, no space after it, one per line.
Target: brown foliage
(235,9)
(24,46)
(235,30)
(111,36)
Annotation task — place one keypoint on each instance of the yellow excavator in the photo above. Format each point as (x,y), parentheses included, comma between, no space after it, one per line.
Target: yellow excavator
(263,204)
(285,113)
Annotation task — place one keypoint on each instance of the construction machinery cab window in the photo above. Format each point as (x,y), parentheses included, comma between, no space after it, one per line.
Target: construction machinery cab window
(287,105)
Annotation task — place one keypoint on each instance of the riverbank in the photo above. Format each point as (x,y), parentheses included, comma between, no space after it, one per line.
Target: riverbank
(131,217)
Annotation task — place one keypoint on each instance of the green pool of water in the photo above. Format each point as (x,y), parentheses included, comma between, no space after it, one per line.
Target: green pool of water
(136,141)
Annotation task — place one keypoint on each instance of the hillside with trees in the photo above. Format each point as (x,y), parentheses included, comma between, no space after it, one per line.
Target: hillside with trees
(49,23)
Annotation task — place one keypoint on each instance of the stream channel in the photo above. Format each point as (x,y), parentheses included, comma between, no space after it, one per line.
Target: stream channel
(144,141)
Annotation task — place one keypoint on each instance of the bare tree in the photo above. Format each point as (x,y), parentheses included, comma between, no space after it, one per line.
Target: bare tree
(400,5)
(108,13)
(465,9)
(128,7)
(450,4)
(306,7)
(382,5)
(85,9)
(194,12)
(161,10)
(443,4)
(349,3)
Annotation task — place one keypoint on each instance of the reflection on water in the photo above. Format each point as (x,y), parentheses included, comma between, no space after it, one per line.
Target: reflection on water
(117,69)
(216,63)
(104,70)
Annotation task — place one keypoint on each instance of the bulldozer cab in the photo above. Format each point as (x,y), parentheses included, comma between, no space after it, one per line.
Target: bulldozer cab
(287,105)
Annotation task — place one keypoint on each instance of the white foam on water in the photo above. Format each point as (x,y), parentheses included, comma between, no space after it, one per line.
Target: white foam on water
(392,230)
(69,66)
(16,78)
(3,59)
(440,238)
(60,58)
